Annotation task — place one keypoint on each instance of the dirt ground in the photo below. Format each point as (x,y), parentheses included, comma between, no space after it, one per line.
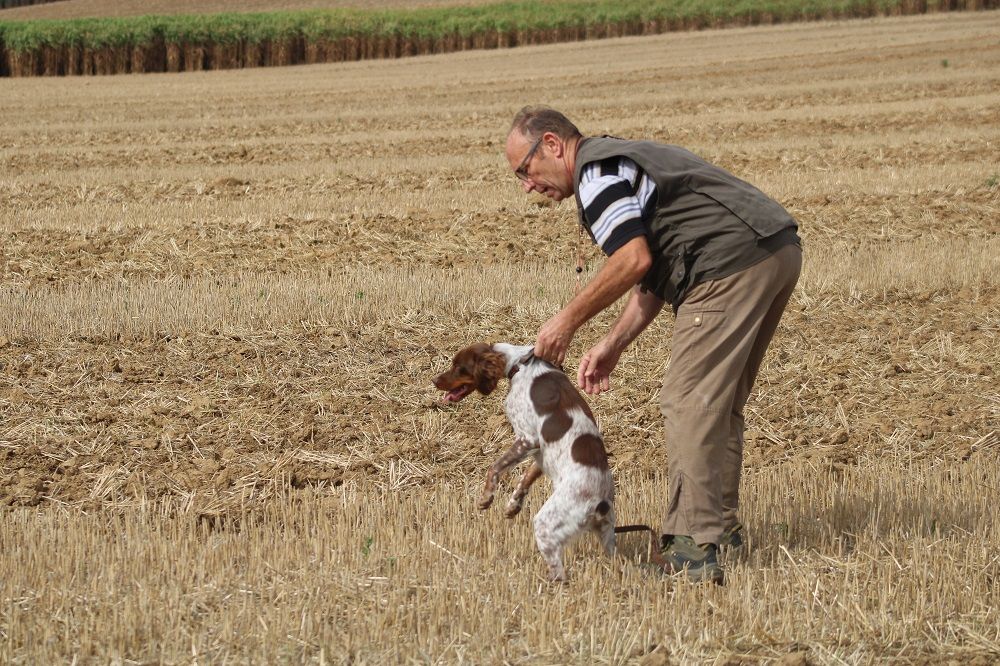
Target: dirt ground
(224,295)
(187,191)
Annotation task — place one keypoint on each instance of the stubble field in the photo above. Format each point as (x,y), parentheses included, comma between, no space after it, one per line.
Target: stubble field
(225,293)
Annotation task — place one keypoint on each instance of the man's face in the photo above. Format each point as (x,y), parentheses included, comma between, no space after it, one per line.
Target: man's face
(540,165)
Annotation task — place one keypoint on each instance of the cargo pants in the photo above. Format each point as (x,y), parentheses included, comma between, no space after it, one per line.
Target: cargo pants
(721,332)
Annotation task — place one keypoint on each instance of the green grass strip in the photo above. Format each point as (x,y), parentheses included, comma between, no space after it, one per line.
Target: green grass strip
(21,36)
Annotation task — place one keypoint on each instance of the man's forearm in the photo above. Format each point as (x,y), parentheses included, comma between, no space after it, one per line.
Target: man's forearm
(621,272)
(639,311)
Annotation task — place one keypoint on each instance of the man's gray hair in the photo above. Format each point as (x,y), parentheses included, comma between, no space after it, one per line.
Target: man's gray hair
(534,121)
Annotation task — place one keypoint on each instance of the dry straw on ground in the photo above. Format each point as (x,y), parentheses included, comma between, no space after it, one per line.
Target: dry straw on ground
(225,294)
(392,575)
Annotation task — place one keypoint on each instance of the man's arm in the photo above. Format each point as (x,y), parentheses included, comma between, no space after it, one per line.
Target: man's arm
(641,309)
(621,272)
(597,364)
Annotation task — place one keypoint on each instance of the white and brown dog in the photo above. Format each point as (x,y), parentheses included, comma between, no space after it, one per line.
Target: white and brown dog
(553,423)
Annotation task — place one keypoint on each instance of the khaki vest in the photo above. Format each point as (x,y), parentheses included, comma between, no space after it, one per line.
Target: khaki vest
(707,223)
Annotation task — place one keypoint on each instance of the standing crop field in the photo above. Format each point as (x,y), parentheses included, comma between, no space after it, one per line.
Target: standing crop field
(224,295)
(63,9)
(178,42)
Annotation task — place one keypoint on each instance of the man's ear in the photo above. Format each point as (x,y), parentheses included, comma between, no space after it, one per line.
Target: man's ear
(554,144)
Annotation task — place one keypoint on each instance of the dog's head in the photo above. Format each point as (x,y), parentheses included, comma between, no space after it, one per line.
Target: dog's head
(475,368)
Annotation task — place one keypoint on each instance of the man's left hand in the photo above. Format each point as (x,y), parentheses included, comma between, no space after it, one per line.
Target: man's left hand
(553,340)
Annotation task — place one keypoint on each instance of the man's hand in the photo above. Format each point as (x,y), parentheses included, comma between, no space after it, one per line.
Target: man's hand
(553,339)
(596,366)
(623,269)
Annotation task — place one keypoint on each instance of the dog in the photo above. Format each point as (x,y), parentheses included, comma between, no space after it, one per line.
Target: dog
(553,424)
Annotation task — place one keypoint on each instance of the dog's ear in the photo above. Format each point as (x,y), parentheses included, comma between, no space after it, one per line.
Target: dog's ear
(488,371)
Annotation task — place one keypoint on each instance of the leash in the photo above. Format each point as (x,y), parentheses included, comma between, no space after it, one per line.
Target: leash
(654,543)
(579,260)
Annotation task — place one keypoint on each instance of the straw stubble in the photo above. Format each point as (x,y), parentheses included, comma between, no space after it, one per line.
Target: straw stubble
(219,440)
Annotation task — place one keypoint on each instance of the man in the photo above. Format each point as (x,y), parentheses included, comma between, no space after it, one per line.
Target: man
(726,257)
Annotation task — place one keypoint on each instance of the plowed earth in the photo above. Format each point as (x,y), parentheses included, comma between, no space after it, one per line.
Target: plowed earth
(218,285)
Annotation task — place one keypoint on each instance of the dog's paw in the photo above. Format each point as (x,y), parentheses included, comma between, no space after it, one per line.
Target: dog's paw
(485,502)
(512,509)
(558,576)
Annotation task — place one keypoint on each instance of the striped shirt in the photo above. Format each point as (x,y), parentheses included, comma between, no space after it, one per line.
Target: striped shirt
(616,196)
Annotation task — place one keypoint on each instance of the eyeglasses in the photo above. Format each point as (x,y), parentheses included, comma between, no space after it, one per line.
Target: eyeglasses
(522,169)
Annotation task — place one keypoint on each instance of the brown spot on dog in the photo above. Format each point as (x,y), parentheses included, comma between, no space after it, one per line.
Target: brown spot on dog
(589,450)
(556,425)
(553,395)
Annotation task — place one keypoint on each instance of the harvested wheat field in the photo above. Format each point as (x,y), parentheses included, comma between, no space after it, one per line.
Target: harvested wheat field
(225,294)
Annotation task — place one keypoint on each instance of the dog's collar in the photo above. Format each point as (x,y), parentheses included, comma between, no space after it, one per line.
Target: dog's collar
(524,360)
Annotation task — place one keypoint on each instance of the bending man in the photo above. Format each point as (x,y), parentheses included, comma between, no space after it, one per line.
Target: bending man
(676,230)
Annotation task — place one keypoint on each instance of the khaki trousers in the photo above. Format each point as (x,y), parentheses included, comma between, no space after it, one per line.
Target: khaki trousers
(722,330)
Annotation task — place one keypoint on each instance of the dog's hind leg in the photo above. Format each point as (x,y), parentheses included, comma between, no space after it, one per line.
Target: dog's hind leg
(548,536)
(559,520)
(605,530)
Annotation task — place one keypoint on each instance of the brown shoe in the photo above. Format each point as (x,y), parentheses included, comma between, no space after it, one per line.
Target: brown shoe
(698,563)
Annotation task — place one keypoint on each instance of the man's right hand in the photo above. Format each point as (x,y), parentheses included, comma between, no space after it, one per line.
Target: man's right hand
(596,366)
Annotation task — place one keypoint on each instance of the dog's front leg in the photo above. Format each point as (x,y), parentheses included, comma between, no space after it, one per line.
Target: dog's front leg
(515,454)
(517,499)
